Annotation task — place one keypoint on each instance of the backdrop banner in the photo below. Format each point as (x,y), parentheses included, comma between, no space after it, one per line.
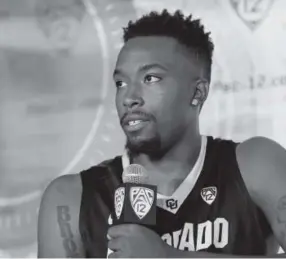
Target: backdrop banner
(57,107)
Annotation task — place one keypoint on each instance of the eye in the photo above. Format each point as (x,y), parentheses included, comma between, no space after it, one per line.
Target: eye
(120,84)
(151,79)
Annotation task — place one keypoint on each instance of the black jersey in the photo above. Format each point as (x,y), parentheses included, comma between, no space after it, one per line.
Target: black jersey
(210,211)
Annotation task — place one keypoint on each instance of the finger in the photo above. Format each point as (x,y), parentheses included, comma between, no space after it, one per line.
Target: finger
(118,230)
(114,244)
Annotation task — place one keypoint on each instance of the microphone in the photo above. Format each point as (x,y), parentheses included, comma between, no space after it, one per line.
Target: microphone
(134,200)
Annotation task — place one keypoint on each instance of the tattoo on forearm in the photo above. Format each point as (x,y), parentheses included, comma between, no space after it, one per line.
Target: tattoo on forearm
(64,218)
(281,208)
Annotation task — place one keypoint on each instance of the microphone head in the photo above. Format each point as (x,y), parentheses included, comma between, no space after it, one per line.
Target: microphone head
(135,173)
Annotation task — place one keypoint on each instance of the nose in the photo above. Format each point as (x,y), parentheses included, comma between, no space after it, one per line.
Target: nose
(133,99)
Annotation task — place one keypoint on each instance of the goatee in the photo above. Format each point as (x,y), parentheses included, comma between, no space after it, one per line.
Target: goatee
(149,147)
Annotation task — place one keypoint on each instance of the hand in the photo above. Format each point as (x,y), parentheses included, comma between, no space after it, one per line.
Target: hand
(131,240)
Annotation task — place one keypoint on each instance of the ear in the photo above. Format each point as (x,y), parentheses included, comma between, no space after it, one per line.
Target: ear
(201,92)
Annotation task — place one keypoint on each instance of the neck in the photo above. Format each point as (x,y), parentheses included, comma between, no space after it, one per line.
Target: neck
(172,168)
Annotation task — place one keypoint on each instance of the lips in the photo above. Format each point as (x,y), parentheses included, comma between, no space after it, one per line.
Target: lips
(135,126)
(134,122)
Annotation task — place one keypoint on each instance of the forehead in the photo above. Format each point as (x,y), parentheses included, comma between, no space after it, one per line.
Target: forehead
(152,49)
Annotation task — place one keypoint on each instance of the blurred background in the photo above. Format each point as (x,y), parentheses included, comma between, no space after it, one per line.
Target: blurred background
(57,113)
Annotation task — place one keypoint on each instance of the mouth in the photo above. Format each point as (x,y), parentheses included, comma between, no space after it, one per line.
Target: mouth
(135,125)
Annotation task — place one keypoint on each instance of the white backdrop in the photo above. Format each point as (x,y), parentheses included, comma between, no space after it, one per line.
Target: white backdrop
(57,98)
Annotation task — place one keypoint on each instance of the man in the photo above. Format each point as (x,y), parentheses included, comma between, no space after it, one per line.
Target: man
(228,198)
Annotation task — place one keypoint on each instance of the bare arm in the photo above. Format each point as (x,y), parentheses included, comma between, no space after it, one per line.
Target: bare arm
(263,166)
(58,232)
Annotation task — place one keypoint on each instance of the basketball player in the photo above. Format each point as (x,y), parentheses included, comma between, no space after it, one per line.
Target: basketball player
(216,196)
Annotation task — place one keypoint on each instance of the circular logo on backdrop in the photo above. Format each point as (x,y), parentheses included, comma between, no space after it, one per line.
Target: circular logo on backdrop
(53,105)
(60,21)
(252,12)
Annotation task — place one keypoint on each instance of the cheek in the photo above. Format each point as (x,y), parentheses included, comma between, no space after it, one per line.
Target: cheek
(177,93)
(166,101)
(176,103)
(176,111)
(119,105)
(153,96)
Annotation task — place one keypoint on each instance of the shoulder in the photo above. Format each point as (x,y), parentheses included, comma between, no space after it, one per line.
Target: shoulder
(107,168)
(259,160)
(69,188)
(262,145)
(65,184)
(221,142)
(223,149)
(65,189)
(259,151)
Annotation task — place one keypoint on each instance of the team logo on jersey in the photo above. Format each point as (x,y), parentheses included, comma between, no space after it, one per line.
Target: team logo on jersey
(252,12)
(209,194)
(119,201)
(141,199)
(172,204)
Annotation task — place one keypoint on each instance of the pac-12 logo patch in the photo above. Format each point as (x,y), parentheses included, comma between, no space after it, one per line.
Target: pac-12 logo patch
(119,201)
(209,194)
(251,12)
(141,199)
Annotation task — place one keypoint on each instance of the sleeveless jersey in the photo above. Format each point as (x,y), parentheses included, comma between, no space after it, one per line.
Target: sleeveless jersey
(212,213)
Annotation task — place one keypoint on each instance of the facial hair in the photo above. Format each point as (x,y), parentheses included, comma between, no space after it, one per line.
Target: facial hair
(151,147)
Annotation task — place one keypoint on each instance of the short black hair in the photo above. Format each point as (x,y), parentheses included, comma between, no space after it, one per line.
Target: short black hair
(186,30)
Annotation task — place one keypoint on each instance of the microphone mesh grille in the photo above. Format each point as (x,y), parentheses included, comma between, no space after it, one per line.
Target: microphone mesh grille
(135,173)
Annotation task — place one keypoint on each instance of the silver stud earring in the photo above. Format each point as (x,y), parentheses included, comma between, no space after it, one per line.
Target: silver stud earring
(195,102)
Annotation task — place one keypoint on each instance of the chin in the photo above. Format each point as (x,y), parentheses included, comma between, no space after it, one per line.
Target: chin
(147,146)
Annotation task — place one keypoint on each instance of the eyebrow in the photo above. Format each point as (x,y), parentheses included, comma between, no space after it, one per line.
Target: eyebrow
(142,68)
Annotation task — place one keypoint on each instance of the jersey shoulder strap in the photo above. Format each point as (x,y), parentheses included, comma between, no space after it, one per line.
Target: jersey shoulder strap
(98,185)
